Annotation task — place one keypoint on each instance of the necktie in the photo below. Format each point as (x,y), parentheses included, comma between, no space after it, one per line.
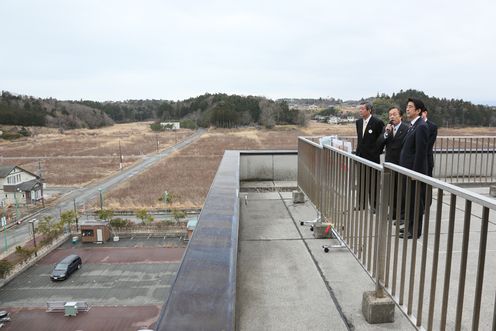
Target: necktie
(363,129)
(394,131)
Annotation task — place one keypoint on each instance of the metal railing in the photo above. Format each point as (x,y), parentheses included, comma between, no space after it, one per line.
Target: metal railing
(461,159)
(455,236)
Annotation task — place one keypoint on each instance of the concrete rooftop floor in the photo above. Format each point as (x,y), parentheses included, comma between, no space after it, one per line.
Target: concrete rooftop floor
(285,280)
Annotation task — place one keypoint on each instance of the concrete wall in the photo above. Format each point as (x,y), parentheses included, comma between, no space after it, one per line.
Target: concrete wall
(270,165)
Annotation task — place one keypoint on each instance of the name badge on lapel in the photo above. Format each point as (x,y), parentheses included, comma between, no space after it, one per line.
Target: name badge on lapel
(370,131)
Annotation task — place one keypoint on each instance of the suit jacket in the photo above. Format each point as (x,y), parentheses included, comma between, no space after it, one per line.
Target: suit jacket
(430,146)
(414,152)
(367,145)
(393,143)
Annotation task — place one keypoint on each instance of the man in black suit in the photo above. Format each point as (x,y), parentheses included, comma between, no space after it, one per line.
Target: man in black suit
(432,140)
(393,137)
(369,128)
(414,157)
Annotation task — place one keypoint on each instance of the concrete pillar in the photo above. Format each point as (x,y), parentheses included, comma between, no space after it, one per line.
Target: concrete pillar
(298,197)
(377,310)
(492,190)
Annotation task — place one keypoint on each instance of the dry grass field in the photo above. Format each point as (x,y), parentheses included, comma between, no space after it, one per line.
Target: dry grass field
(188,174)
(80,157)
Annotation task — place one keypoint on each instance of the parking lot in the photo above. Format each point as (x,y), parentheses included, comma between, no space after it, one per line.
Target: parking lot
(125,283)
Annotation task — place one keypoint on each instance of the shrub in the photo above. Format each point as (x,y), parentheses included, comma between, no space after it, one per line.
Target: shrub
(142,214)
(178,214)
(119,222)
(156,127)
(188,124)
(5,268)
(10,136)
(24,253)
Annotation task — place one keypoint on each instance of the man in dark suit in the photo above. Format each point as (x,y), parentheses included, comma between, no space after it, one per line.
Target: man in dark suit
(414,157)
(369,128)
(432,140)
(392,138)
(393,135)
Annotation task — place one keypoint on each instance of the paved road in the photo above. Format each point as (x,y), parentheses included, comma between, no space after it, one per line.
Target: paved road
(20,233)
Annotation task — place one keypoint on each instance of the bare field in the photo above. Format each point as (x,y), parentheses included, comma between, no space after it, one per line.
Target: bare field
(188,174)
(134,139)
(74,171)
(79,157)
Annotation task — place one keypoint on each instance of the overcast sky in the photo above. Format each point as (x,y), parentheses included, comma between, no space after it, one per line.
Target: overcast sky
(118,50)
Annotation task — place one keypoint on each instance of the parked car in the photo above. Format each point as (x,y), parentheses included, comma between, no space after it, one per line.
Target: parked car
(66,267)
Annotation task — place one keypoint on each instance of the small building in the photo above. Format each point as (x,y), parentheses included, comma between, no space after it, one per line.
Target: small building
(95,232)
(19,186)
(170,125)
(333,120)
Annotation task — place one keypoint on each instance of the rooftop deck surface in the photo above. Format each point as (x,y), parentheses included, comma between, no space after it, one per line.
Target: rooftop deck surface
(286,281)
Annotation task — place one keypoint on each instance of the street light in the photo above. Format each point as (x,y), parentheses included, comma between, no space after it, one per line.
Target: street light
(101,198)
(34,236)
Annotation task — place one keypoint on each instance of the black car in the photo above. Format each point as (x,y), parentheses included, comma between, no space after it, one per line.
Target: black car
(66,267)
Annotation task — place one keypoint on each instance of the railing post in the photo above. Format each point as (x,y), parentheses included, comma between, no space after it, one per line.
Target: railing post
(382,227)
(377,307)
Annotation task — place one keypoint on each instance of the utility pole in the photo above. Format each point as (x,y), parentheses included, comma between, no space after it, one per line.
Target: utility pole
(76,215)
(156,136)
(34,236)
(16,204)
(41,182)
(101,198)
(120,156)
(166,195)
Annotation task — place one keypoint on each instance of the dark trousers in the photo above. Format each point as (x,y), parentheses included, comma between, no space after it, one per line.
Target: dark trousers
(419,207)
(364,194)
(395,198)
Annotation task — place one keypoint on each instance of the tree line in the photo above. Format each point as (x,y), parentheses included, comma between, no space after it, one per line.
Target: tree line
(444,112)
(219,110)
(30,111)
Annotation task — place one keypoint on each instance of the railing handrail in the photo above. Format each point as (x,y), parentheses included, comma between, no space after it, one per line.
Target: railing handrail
(459,191)
(340,151)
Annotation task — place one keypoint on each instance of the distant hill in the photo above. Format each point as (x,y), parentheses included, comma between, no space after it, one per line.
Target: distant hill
(444,112)
(222,110)
(29,111)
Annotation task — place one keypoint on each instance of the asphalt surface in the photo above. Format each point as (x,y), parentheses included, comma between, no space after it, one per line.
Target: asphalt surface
(125,283)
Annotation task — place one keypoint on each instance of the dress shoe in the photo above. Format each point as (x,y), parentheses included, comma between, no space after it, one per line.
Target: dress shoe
(401,222)
(409,235)
(402,230)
